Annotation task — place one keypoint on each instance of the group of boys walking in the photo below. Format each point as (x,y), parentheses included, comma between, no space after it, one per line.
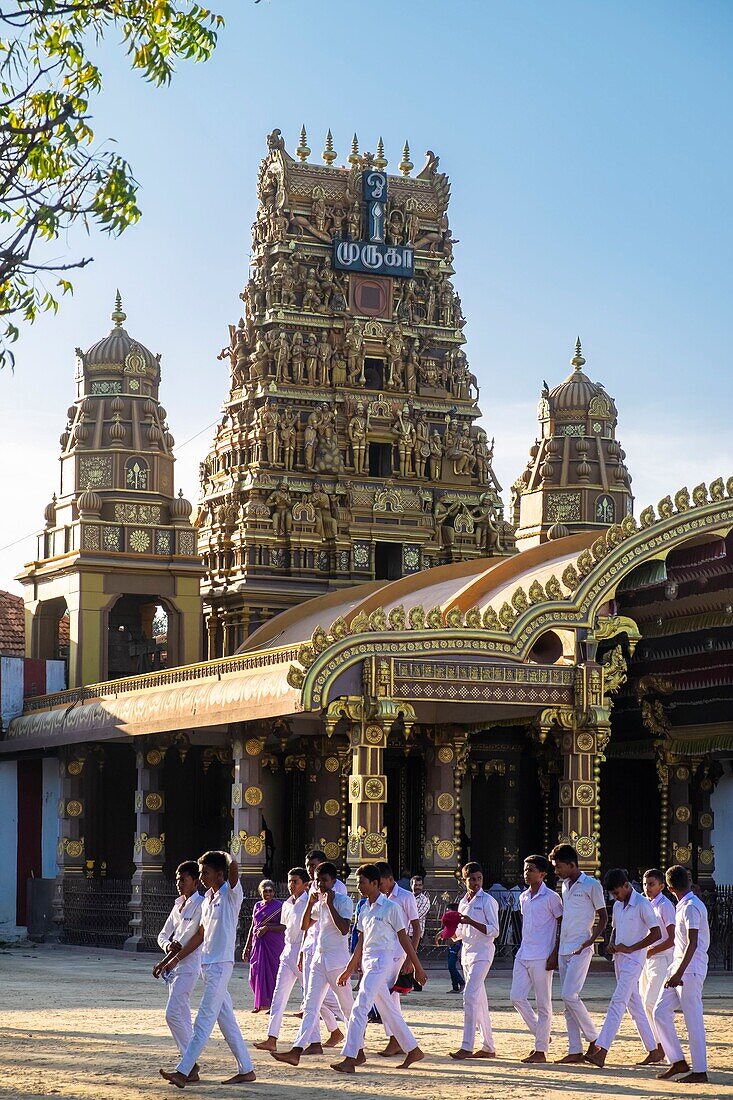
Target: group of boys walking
(659,954)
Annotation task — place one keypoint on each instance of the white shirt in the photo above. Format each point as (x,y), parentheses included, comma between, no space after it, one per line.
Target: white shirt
(664,910)
(379,924)
(332,945)
(219,917)
(633,921)
(422,904)
(484,909)
(580,900)
(291,915)
(540,914)
(691,913)
(406,901)
(183,920)
(311,936)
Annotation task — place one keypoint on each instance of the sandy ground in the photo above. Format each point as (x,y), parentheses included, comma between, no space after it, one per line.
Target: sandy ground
(79,1024)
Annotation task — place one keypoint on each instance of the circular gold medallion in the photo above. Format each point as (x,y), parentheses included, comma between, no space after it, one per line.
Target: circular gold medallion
(153,846)
(682,774)
(253,796)
(706,821)
(253,845)
(153,801)
(706,856)
(585,794)
(445,802)
(74,848)
(331,850)
(154,758)
(75,767)
(374,789)
(445,754)
(331,764)
(373,843)
(446,849)
(374,735)
(566,794)
(683,813)
(585,742)
(706,785)
(585,847)
(331,807)
(253,746)
(682,853)
(74,808)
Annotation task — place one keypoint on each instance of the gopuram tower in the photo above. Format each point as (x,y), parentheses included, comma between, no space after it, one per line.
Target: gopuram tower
(348,449)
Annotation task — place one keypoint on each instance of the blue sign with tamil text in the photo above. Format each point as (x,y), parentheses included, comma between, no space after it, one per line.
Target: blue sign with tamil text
(374,259)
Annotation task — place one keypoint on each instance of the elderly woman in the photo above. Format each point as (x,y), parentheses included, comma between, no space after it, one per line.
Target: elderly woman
(264,945)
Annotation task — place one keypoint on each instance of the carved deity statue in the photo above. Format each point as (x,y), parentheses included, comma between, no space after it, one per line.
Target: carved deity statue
(269,424)
(325,351)
(326,523)
(436,456)
(422,444)
(282,357)
(394,346)
(486,526)
(446,513)
(279,502)
(484,455)
(311,359)
(354,348)
(359,438)
(297,358)
(462,453)
(310,440)
(288,437)
(404,430)
(312,296)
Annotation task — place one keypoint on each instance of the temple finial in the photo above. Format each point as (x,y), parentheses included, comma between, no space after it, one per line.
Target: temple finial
(118,315)
(353,157)
(578,361)
(380,161)
(303,152)
(329,153)
(406,164)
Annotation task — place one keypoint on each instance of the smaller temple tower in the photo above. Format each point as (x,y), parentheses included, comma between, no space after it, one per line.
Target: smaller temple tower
(118,544)
(575,479)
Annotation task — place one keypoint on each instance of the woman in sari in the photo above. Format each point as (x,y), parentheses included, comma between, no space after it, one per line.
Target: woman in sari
(264,945)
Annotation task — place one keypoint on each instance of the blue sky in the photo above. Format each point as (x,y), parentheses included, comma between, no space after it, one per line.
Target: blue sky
(588,146)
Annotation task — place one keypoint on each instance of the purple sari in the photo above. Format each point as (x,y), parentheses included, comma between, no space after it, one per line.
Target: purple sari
(265,952)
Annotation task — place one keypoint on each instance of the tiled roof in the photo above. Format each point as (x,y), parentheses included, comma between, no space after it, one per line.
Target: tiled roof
(12,625)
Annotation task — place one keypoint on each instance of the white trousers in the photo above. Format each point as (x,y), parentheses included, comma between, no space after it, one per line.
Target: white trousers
(651,983)
(475,1003)
(216,1008)
(688,997)
(625,996)
(532,975)
(573,972)
(287,975)
(330,1010)
(374,990)
(178,1009)
(320,980)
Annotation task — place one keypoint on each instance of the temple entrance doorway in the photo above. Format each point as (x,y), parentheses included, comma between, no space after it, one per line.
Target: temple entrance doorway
(404,813)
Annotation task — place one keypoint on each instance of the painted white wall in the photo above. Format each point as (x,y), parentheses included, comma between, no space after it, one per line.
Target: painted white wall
(8,846)
(722,835)
(50,816)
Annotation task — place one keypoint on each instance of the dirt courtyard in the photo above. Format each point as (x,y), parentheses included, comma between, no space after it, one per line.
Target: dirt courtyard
(82,1023)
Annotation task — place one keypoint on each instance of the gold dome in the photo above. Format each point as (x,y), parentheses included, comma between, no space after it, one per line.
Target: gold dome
(573,397)
(113,350)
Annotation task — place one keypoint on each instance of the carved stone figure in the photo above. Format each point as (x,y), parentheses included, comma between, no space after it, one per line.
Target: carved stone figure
(288,437)
(462,453)
(297,358)
(354,348)
(422,444)
(394,346)
(404,430)
(282,357)
(310,440)
(395,225)
(412,368)
(311,359)
(412,222)
(312,297)
(269,424)
(325,352)
(436,456)
(326,523)
(484,454)
(359,438)
(279,503)
(446,513)
(486,526)
(446,304)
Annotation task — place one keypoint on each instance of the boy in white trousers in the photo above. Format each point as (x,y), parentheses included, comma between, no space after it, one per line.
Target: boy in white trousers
(584,917)
(635,928)
(684,982)
(288,973)
(216,935)
(183,921)
(478,927)
(536,958)
(406,901)
(658,957)
(381,926)
(330,1009)
(333,912)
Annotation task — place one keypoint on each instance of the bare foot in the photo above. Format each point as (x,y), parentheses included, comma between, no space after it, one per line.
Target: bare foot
(193,1077)
(592,1047)
(298,1015)
(484,1054)
(460,1054)
(361,1058)
(178,1079)
(570,1060)
(254,1010)
(314,1048)
(290,1057)
(653,1058)
(392,1049)
(674,1070)
(240,1078)
(694,1079)
(348,1065)
(536,1058)
(597,1057)
(335,1039)
(414,1055)
(270,1043)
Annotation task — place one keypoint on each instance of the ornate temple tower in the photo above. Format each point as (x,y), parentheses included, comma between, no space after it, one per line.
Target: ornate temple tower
(348,449)
(117,542)
(575,478)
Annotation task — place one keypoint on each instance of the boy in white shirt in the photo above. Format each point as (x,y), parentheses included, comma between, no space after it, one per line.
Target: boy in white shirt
(406,901)
(183,920)
(584,917)
(534,962)
(288,973)
(658,957)
(333,911)
(478,927)
(381,925)
(216,935)
(684,982)
(330,1010)
(635,928)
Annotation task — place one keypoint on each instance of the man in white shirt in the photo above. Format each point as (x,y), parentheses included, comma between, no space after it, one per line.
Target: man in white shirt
(684,982)
(380,925)
(216,935)
(402,969)
(330,1010)
(422,902)
(635,928)
(288,973)
(658,957)
(584,918)
(541,910)
(183,920)
(478,927)
(333,911)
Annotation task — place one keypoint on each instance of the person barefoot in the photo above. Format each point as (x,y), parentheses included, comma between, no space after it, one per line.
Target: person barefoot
(536,960)
(288,973)
(478,927)
(240,1079)
(183,921)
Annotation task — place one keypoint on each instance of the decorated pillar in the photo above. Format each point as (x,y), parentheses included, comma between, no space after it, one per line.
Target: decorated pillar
(247,843)
(664,769)
(70,851)
(445,759)
(149,844)
(706,778)
(326,803)
(680,811)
